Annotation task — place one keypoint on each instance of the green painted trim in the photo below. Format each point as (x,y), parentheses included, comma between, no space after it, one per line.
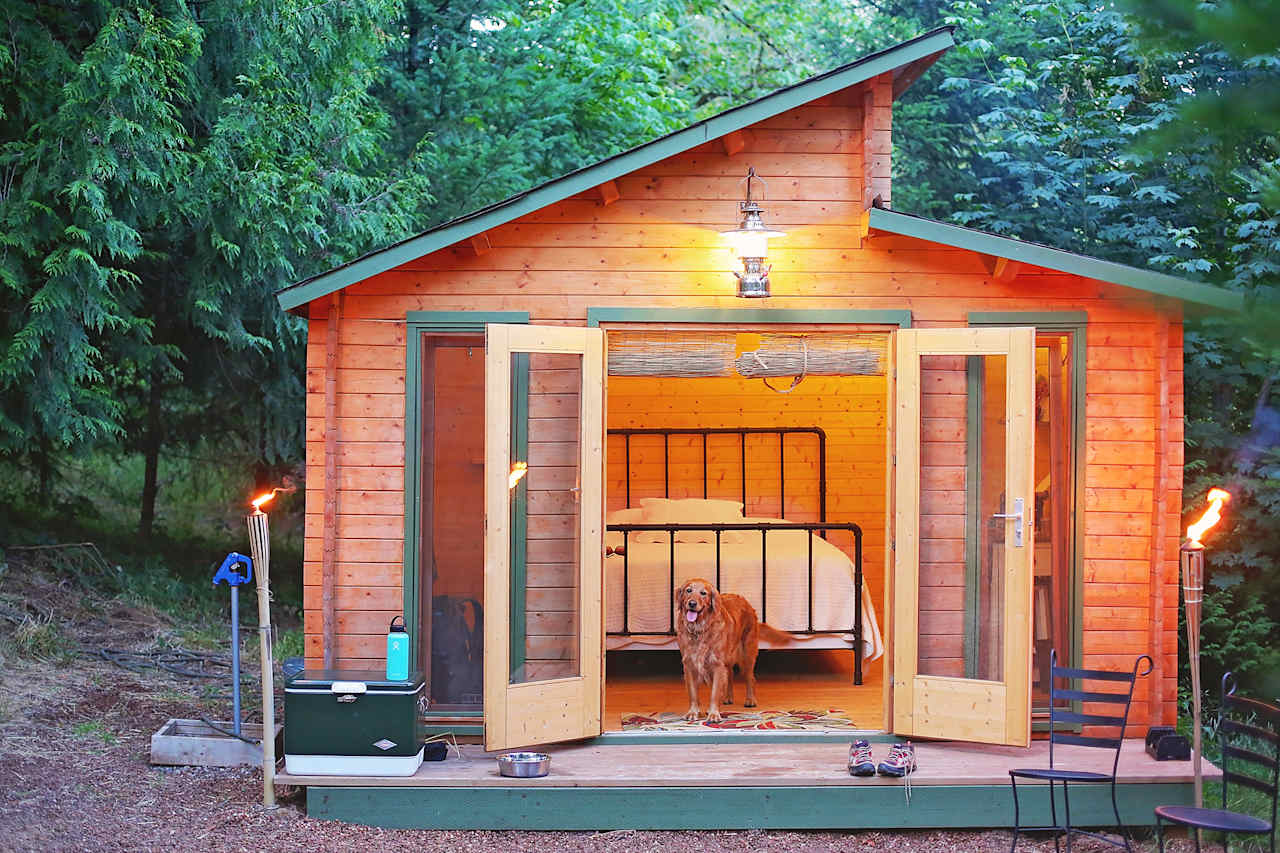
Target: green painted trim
(417,324)
(538,805)
(615,167)
(975,382)
(438,714)
(456,731)
(519,541)
(1054,259)
(1076,322)
(743,316)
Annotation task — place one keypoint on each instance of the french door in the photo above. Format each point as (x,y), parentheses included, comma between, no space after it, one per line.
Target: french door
(963,534)
(544,456)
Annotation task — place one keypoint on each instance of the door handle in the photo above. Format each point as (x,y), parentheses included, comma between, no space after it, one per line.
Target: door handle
(1019,512)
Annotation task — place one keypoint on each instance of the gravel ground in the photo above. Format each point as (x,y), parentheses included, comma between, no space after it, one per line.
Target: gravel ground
(75,772)
(75,775)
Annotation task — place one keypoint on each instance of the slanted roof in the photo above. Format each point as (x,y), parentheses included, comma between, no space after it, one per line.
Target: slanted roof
(1035,254)
(906,61)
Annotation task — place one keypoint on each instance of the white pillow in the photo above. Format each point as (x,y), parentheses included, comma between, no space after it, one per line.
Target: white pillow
(631,515)
(690,510)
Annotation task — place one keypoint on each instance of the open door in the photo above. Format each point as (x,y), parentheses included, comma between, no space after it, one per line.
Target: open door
(964,534)
(543,567)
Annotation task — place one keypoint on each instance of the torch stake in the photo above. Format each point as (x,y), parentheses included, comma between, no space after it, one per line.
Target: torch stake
(1192,564)
(260,544)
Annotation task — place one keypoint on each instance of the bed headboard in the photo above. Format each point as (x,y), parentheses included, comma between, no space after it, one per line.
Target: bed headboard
(783,434)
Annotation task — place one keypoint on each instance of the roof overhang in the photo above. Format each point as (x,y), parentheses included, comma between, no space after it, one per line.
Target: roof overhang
(907,61)
(1034,254)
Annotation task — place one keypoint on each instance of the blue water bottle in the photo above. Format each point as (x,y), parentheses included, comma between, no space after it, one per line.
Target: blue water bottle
(397,651)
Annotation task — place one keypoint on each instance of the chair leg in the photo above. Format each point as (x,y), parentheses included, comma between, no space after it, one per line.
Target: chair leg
(1053,815)
(1124,833)
(1013,780)
(1066,808)
(1159,836)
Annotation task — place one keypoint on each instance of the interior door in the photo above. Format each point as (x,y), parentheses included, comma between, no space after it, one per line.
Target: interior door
(964,534)
(543,568)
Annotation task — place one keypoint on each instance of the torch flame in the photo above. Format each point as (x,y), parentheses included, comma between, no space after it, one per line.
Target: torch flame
(518,470)
(1212,515)
(265,497)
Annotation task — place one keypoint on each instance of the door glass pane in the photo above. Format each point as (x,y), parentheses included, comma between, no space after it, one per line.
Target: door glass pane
(962,481)
(1054,490)
(451,545)
(546,510)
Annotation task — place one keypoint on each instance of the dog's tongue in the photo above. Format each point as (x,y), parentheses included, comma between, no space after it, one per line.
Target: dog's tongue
(691,615)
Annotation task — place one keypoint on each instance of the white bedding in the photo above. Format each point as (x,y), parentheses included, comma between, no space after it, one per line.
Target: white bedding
(650,587)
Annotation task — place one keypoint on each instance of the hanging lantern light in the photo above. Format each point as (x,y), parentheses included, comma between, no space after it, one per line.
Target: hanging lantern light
(751,242)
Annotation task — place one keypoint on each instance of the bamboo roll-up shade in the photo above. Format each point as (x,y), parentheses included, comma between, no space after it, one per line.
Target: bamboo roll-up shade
(824,354)
(688,354)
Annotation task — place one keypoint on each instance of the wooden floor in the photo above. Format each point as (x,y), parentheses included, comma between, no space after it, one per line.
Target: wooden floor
(651,682)
(802,764)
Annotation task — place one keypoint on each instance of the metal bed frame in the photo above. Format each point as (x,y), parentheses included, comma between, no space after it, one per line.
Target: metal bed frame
(821,527)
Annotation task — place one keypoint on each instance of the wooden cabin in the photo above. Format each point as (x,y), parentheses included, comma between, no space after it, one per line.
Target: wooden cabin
(930,455)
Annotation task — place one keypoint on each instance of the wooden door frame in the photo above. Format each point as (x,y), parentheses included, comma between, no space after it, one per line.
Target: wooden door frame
(563,707)
(1012,693)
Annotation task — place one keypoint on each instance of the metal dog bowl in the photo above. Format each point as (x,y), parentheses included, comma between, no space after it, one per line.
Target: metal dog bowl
(524,765)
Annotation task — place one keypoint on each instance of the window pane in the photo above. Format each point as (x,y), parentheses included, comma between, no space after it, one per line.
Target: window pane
(962,479)
(546,513)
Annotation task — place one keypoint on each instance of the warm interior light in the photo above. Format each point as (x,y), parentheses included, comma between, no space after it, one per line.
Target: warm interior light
(518,470)
(750,244)
(1212,515)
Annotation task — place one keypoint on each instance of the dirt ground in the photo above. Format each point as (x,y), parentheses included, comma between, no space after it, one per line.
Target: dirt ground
(75,773)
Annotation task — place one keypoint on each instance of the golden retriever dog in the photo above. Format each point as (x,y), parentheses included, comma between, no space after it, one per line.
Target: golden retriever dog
(717,631)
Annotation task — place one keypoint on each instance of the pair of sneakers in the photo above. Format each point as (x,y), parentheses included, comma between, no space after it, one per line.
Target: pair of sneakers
(900,761)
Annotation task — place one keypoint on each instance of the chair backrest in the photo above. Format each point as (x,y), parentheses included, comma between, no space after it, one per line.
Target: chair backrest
(1249,731)
(1115,702)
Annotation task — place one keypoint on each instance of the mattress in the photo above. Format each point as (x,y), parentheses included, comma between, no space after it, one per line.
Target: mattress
(783,598)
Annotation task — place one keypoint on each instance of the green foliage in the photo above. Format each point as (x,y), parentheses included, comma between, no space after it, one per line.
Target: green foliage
(1235,635)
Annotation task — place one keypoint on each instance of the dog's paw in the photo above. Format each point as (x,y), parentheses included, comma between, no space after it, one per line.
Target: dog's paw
(691,714)
(714,717)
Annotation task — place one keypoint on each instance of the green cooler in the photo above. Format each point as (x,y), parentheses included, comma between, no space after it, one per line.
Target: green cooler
(353,723)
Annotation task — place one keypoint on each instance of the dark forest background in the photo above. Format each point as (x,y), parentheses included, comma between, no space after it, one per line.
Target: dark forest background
(165,167)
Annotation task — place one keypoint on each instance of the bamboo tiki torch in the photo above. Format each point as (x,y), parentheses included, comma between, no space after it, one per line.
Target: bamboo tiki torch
(1192,565)
(260,546)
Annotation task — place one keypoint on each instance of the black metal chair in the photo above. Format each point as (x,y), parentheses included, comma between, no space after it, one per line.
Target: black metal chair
(1248,730)
(1060,714)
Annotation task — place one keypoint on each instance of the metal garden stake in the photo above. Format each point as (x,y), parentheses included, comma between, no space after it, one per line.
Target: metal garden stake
(229,572)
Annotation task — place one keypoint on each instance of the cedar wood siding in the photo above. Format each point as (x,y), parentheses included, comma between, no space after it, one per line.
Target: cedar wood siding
(658,246)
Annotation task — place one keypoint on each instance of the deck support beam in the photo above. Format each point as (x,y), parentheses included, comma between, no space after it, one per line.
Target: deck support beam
(1003,270)
(871,806)
(608,192)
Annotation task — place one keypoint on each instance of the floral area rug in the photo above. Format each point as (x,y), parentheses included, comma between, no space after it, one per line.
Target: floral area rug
(792,721)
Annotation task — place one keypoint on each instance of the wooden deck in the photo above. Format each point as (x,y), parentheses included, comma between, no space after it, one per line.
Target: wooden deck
(763,764)
(729,785)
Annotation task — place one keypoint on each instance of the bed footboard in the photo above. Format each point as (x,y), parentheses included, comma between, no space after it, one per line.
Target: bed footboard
(718,529)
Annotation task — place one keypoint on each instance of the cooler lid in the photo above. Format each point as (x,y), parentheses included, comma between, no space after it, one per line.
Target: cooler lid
(374,681)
